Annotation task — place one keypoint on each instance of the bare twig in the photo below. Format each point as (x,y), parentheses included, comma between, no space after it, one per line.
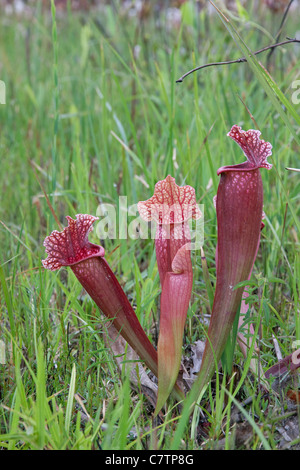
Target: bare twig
(293,169)
(238,61)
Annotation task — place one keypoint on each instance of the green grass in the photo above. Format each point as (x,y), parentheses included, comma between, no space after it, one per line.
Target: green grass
(93,113)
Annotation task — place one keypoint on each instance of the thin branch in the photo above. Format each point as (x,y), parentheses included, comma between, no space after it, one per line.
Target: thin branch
(237,61)
(293,169)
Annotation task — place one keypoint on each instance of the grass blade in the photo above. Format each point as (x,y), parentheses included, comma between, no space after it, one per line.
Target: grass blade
(70,401)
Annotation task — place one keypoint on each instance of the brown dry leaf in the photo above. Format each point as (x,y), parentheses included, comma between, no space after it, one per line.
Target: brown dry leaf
(125,356)
(191,370)
(289,432)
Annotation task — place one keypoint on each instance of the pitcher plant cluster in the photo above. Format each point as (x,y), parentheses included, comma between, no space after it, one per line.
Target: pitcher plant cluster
(239,210)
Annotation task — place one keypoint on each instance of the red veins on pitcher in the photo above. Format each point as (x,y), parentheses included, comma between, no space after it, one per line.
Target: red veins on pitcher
(72,248)
(239,206)
(171,207)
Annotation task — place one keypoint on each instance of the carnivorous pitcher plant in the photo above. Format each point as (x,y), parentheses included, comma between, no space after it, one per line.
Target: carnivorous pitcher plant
(171,207)
(239,206)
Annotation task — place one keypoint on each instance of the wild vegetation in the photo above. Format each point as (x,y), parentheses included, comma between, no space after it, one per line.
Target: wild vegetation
(93,119)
